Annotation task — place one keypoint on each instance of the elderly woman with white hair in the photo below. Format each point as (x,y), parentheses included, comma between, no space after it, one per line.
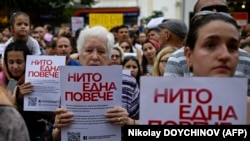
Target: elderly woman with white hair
(94,46)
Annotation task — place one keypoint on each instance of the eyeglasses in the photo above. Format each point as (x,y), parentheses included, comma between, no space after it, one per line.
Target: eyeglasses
(218,8)
(115,56)
(201,14)
(164,62)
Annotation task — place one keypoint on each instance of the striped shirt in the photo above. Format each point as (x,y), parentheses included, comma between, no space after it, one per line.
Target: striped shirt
(177,65)
(32,45)
(130,96)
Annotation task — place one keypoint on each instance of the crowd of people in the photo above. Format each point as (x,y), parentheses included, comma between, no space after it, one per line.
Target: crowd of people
(212,46)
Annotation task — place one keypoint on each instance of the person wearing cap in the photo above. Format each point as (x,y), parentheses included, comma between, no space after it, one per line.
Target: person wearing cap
(177,62)
(172,33)
(177,65)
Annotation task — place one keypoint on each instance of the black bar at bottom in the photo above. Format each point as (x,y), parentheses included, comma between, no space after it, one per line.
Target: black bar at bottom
(174,132)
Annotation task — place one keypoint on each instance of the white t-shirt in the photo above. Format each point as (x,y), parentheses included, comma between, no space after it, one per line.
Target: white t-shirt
(32,45)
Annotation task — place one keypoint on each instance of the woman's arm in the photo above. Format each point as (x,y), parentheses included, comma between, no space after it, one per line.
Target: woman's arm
(4,100)
(56,134)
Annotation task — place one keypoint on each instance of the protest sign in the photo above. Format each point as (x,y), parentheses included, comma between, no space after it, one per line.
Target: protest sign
(43,73)
(193,100)
(88,92)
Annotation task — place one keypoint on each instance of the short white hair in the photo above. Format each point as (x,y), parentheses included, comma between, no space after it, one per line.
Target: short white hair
(99,32)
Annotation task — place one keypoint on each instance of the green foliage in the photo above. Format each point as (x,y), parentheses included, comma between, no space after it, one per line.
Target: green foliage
(65,2)
(2,3)
(68,12)
(66,7)
(88,2)
(155,14)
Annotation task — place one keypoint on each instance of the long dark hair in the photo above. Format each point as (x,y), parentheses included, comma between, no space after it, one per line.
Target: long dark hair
(15,46)
(144,59)
(201,20)
(133,58)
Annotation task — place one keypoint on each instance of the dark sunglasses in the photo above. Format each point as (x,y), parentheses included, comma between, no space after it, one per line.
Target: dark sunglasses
(201,14)
(218,8)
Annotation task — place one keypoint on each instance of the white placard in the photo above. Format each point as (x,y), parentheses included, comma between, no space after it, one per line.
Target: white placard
(130,54)
(193,100)
(90,91)
(127,72)
(43,72)
(2,46)
(77,23)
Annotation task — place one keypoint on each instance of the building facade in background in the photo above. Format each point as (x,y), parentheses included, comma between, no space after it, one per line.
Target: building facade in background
(133,10)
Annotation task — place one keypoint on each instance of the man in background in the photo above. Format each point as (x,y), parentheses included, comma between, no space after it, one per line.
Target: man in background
(64,48)
(177,65)
(172,33)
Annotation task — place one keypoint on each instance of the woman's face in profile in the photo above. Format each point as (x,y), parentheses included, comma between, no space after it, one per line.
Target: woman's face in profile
(16,63)
(162,63)
(216,50)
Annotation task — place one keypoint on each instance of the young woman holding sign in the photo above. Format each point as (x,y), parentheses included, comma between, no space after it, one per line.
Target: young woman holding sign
(15,62)
(212,45)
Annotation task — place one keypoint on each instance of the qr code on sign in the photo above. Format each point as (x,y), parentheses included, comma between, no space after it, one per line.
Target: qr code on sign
(73,136)
(32,101)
